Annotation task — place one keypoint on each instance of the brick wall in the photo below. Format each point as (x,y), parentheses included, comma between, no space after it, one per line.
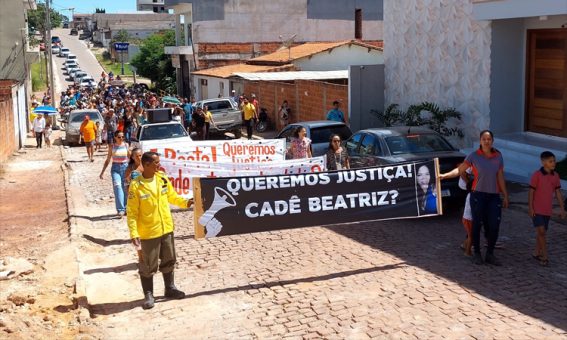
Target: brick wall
(7,140)
(308,99)
(245,50)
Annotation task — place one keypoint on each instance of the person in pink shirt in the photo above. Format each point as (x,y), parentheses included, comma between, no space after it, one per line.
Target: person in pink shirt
(543,184)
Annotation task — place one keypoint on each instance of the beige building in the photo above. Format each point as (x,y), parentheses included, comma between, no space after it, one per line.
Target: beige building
(15,75)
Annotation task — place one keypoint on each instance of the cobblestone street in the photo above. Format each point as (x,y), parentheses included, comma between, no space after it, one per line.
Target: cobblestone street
(396,279)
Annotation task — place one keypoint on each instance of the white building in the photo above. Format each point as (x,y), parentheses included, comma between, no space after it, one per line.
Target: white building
(313,56)
(156,6)
(503,64)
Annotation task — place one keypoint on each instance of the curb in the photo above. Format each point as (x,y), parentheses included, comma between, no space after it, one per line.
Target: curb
(80,290)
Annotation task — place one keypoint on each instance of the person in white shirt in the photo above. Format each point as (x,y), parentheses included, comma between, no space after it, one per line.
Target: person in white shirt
(38,125)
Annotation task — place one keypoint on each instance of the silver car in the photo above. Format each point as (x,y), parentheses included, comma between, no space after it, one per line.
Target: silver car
(78,76)
(64,52)
(74,121)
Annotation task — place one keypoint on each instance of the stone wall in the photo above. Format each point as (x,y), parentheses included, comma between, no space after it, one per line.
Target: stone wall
(436,52)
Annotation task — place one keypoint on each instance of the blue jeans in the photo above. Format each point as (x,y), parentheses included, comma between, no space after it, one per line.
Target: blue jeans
(118,184)
(486,211)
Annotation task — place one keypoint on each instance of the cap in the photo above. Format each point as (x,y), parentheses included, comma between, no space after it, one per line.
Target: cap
(253,95)
(233,91)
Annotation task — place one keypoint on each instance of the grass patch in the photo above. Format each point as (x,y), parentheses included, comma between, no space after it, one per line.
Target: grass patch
(38,78)
(561,168)
(116,68)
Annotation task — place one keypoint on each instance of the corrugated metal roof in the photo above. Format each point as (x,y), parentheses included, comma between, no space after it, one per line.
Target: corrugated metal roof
(281,76)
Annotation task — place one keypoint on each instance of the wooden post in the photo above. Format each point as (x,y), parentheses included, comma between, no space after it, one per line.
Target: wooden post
(438,187)
(197,209)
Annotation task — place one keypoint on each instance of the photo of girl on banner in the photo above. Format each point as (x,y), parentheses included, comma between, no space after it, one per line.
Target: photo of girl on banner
(427,193)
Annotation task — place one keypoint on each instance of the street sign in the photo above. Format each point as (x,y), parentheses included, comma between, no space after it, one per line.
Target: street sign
(121,46)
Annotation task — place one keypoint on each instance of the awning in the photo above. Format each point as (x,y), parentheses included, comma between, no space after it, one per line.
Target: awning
(294,75)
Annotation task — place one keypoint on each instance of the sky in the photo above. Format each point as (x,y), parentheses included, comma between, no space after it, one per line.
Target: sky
(88,6)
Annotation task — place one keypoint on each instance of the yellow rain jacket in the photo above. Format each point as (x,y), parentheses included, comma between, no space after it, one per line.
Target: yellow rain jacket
(149,215)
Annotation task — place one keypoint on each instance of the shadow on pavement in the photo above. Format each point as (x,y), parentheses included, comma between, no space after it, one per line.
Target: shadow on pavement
(117,269)
(118,242)
(98,218)
(105,243)
(118,307)
(432,244)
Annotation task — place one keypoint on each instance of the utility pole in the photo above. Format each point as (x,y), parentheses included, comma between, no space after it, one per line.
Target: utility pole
(72,9)
(50,57)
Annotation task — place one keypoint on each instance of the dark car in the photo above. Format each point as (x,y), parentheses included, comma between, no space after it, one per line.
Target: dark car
(319,131)
(55,40)
(399,144)
(74,31)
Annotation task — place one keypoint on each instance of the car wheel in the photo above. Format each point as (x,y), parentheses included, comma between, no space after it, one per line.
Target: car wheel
(237,134)
(261,126)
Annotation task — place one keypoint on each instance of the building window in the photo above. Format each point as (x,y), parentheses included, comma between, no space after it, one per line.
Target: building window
(221,89)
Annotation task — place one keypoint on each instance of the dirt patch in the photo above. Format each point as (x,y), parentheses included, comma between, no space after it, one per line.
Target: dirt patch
(37,302)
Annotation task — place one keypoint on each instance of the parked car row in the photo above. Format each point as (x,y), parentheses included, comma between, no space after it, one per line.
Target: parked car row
(72,69)
(382,146)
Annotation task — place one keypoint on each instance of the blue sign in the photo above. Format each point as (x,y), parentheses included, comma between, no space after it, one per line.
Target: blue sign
(121,46)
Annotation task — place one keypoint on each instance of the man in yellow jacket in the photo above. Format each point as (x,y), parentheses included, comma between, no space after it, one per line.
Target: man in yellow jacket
(151,227)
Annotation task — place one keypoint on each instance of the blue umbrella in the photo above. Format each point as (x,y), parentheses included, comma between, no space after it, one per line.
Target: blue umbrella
(46,109)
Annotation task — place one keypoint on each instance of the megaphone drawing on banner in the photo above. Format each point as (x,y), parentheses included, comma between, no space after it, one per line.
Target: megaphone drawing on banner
(221,200)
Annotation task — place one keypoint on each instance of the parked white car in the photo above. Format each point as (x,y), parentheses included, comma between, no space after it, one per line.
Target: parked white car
(70,63)
(64,52)
(172,131)
(71,56)
(73,72)
(55,49)
(87,81)
(78,76)
(71,69)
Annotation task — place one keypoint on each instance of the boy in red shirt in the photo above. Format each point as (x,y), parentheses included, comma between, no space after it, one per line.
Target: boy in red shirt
(543,184)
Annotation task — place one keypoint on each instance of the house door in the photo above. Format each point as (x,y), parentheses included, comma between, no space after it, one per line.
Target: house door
(546,93)
(204,89)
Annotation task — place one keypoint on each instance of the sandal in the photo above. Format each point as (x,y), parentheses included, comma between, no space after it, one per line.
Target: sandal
(544,262)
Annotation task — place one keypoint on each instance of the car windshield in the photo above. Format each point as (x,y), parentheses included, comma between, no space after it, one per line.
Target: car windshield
(322,134)
(152,132)
(417,143)
(80,116)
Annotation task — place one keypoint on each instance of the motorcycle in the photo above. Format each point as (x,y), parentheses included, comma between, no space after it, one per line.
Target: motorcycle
(263,120)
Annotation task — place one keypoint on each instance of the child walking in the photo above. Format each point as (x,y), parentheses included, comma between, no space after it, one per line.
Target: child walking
(543,184)
(47,134)
(465,183)
(98,137)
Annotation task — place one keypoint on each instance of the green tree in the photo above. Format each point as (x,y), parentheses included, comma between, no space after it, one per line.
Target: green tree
(37,22)
(121,36)
(151,62)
